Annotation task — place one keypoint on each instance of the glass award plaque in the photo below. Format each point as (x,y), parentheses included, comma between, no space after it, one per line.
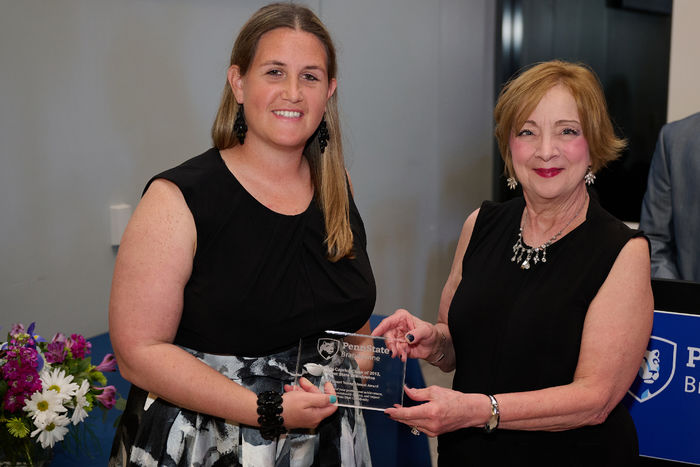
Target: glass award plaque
(360,367)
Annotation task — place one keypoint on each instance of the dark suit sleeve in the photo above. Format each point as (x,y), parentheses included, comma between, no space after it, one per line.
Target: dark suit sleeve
(657,213)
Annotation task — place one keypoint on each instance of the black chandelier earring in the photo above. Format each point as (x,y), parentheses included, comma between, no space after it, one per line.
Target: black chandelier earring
(323,135)
(239,126)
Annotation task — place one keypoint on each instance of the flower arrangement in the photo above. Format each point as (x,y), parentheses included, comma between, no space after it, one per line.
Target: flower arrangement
(45,388)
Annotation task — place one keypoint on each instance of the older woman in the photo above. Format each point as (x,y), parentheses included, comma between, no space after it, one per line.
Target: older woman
(548,308)
(234,255)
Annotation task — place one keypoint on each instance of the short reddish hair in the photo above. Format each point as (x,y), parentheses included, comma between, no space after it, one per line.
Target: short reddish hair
(519,97)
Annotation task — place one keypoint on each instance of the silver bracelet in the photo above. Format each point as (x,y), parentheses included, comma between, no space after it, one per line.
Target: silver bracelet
(441,345)
(495,418)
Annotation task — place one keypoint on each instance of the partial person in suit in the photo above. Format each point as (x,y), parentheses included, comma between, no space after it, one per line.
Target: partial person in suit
(671,207)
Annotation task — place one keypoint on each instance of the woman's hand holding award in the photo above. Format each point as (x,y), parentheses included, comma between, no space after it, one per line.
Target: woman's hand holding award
(360,367)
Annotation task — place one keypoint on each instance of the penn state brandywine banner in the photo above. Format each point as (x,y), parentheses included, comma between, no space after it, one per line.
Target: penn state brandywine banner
(664,399)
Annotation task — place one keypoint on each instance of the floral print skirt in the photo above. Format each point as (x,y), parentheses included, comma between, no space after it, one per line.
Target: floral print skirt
(154,432)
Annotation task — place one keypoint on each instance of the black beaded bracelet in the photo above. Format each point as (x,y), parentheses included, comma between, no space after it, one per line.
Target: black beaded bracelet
(270,420)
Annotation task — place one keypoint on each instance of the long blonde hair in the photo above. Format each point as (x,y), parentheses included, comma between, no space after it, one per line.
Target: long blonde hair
(328,169)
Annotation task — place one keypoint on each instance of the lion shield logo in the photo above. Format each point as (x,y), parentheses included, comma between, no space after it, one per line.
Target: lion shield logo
(656,371)
(327,348)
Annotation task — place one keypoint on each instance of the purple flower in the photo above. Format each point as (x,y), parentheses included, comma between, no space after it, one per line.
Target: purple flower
(59,337)
(32,338)
(11,369)
(108,396)
(17,328)
(30,381)
(18,358)
(79,347)
(28,356)
(14,400)
(109,363)
(55,352)
(20,372)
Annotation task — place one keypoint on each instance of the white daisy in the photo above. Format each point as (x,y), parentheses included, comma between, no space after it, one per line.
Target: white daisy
(42,404)
(81,403)
(51,429)
(83,389)
(58,381)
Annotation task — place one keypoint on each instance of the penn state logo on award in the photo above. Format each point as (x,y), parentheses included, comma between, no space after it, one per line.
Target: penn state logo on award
(327,347)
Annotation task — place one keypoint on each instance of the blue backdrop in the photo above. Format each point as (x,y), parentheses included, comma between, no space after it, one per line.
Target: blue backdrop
(664,399)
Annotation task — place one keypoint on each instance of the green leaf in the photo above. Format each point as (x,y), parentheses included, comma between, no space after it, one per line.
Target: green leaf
(120,404)
(98,377)
(3,389)
(83,365)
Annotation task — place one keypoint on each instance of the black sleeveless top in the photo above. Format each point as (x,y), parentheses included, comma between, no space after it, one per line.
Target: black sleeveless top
(520,330)
(261,280)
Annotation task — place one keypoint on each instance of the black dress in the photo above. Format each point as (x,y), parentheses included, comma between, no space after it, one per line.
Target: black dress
(520,330)
(260,280)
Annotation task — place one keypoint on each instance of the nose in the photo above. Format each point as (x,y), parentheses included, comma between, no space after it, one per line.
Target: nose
(292,91)
(547,149)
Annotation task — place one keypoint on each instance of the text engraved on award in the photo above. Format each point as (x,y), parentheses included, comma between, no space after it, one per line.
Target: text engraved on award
(360,367)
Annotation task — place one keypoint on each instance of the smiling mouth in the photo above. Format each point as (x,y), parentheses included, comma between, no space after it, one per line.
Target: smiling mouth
(287,113)
(548,172)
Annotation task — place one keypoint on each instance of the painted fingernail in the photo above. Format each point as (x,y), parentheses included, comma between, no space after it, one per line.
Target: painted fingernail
(332,398)
(409,337)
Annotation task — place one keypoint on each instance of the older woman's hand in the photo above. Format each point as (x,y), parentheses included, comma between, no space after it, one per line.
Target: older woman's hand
(408,336)
(444,410)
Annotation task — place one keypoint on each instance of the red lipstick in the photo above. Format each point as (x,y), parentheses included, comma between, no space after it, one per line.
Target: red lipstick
(547,173)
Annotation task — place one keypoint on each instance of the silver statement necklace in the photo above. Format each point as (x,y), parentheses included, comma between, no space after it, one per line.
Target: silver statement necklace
(540,253)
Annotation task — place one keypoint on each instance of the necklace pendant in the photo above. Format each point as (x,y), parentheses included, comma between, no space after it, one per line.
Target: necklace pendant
(537,254)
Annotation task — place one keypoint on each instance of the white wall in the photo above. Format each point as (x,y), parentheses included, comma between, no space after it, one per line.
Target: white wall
(684,73)
(96,96)
(416,88)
